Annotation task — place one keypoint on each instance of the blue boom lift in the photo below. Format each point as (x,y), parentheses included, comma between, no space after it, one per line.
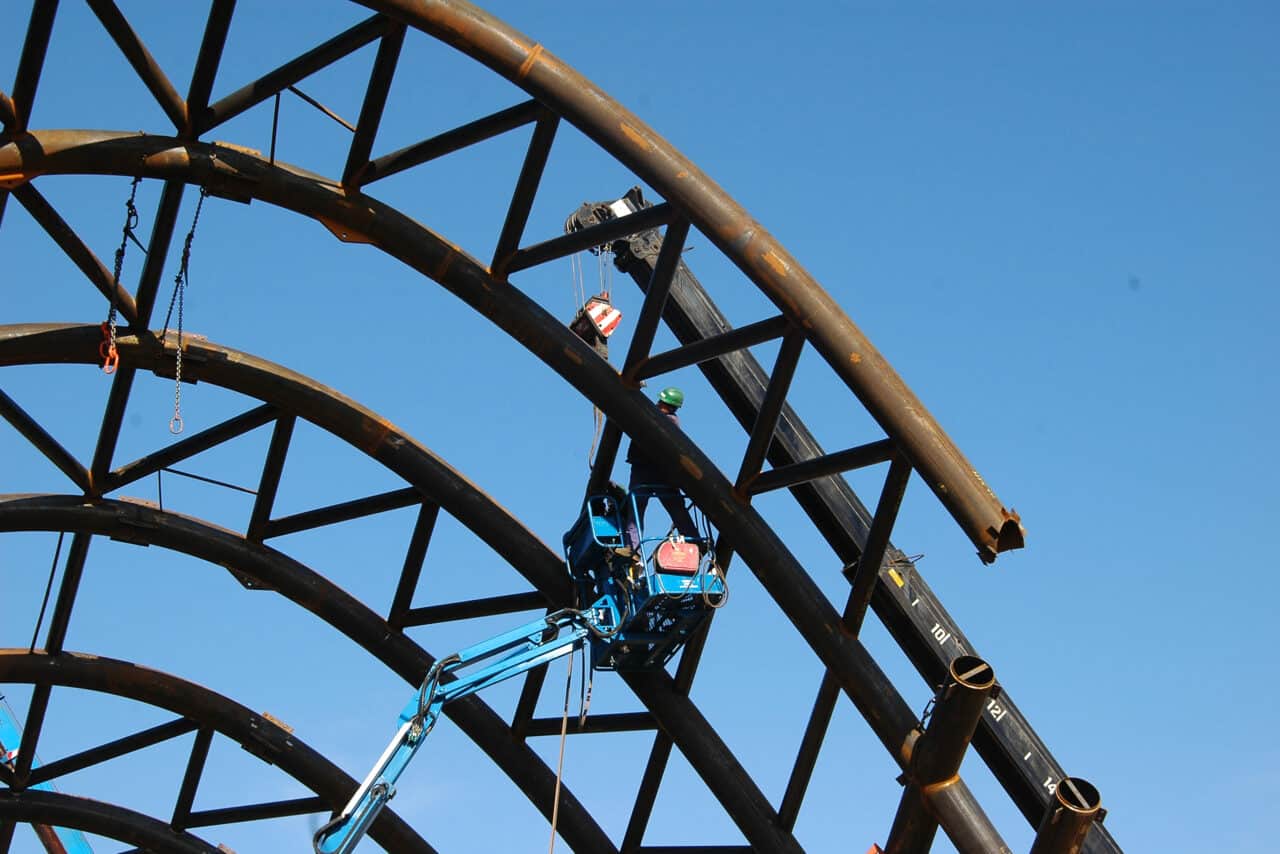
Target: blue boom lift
(645,600)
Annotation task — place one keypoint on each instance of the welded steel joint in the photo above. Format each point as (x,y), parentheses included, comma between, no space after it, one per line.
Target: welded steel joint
(932,774)
(1076,805)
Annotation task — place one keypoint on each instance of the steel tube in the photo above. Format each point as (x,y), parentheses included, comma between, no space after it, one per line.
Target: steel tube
(966,825)
(596,235)
(343,512)
(655,295)
(112,750)
(190,446)
(30,64)
(142,61)
(535,162)
(1075,807)
(207,61)
(375,100)
(936,755)
(43,442)
(113,822)
(825,466)
(990,526)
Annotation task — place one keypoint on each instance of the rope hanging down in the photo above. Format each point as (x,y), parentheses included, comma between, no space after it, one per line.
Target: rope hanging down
(107,349)
(179,293)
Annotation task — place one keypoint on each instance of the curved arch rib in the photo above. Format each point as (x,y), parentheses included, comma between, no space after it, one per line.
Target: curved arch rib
(207,709)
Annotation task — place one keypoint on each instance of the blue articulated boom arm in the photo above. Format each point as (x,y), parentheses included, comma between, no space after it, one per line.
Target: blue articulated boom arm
(493,661)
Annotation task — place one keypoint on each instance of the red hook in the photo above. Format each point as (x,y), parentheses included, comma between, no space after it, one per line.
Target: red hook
(107,352)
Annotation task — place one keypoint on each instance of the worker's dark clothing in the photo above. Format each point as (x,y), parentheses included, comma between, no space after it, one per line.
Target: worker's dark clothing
(653,483)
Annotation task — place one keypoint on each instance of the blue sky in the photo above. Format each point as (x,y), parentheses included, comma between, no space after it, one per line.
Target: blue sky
(1058,224)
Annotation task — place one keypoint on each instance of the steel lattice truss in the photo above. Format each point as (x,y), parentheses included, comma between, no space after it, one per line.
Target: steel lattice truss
(780,454)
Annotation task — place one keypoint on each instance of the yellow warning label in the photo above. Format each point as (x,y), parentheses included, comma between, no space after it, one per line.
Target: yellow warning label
(897,579)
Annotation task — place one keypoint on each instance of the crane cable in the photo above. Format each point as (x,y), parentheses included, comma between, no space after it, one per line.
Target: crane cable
(564,731)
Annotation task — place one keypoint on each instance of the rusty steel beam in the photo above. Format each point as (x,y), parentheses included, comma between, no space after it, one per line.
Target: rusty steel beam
(984,519)
(206,68)
(205,708)
(935,758)
(157,252)
(75,249)
(375,100)
(544,336)
(450,141)
(1075,807)
(297,69)
(144,64)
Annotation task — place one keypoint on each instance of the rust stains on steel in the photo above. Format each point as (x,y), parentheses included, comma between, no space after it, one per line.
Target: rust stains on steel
(984,519)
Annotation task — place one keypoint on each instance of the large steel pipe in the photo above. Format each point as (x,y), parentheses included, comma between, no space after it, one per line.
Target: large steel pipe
(529,65)
(932,770)
(1075,807)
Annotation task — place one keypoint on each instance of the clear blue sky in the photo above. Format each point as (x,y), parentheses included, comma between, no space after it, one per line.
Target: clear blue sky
(1059,224)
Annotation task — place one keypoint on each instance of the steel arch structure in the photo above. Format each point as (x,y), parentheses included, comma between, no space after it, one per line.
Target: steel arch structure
(807,321)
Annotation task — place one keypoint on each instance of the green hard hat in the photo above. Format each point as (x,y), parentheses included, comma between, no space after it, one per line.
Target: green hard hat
(672,396)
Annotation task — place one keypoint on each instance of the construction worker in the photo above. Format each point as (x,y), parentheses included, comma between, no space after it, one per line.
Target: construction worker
(648,480)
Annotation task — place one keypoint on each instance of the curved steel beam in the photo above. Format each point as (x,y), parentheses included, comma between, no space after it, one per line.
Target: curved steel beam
(134,521)
(741,238)
(766,554)
(255,734)
(141,831)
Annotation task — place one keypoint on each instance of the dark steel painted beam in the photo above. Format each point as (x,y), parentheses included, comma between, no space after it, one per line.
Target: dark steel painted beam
(67,592)
(8,115)
(936,756)
(742,239)
(450,141)
(89,816)
(112,421)
(275,82)
(824,466)
(186,448)
(620,722)
(272,570)
(867,571)
(31,63)
(144,64)
(272,469)
(967,826)
(546,337)
(815,732)
(6,834)
(784,368)
(588,238)
(528,701)
(375,100)
(708,755)
(909,609)
(191,702)
(157,252)
(414,557)
(470,609)
(713,347)
(655,294)
(535,161)
(697,849)
(606,455)
(191,778)
(206,68)
(43,442)
(112,750)
(343,512)
(31,728)
(75,249)
(257,812)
